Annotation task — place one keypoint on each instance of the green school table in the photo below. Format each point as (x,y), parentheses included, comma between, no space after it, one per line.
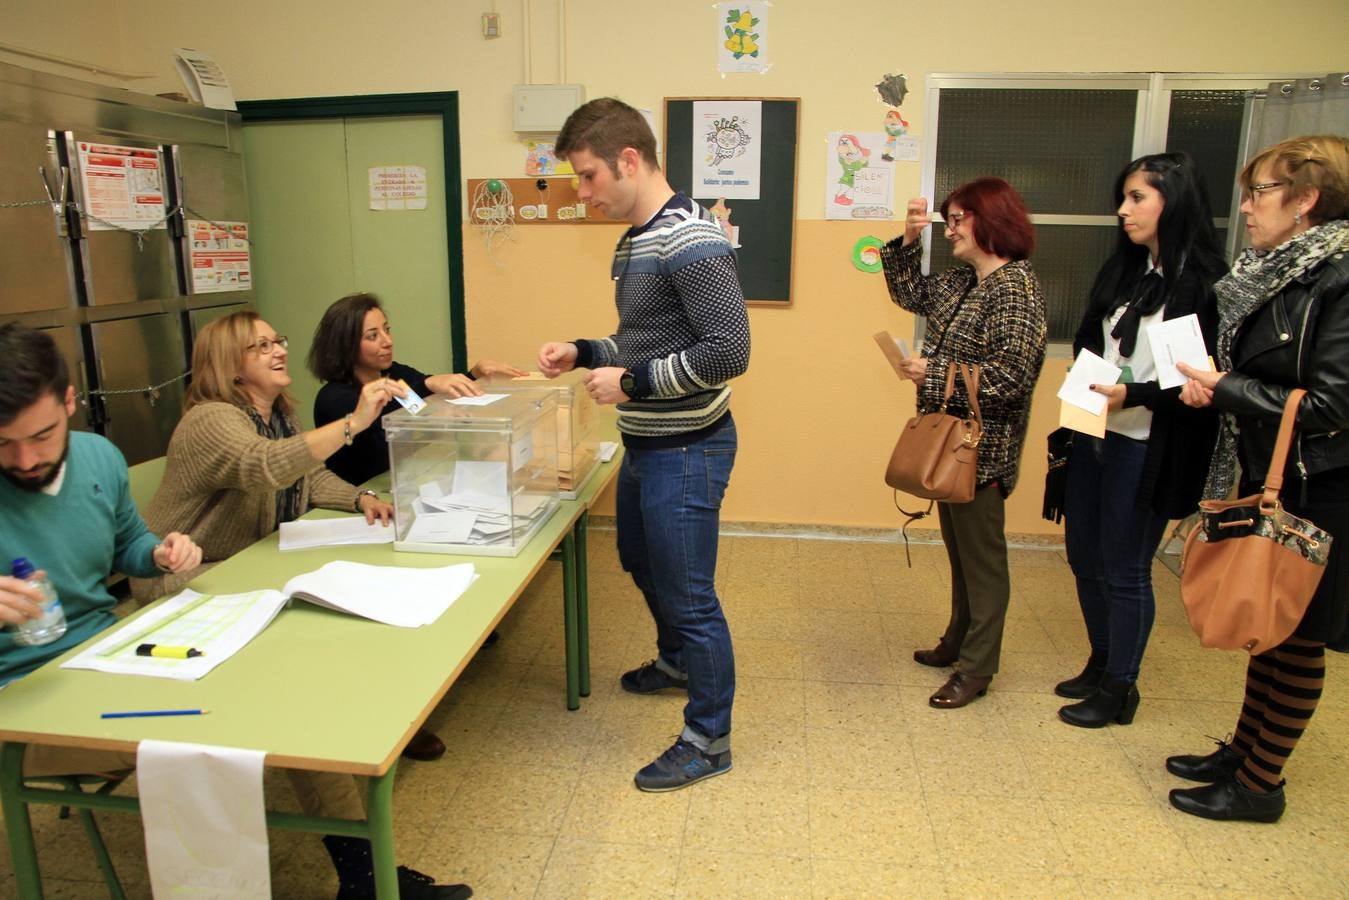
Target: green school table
(317,690)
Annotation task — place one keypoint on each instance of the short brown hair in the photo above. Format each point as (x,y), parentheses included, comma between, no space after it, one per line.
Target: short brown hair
(605,127)
(337,339)
(30,366)
(1319,161)
(1002,223)
(217,358)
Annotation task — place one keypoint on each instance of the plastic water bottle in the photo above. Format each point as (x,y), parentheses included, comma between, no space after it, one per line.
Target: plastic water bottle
(51,624)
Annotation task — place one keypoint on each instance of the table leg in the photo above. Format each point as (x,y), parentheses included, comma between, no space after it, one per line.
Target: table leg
(379,817)
(583,603)
(18,827)
(569,625)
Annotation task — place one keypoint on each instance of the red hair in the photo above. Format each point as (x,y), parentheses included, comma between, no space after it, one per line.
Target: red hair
(1002,223)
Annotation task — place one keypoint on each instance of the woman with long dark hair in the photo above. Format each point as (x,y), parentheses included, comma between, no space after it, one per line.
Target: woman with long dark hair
(987,311)
(1149,468)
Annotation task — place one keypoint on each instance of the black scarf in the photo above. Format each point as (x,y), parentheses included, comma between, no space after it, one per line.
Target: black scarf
(1147,298)
(288,499)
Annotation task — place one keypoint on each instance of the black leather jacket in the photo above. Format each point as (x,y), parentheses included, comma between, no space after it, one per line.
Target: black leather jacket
(1300,338)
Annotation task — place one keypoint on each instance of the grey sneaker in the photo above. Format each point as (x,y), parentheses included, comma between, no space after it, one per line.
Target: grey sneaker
(649,678)
(681,766)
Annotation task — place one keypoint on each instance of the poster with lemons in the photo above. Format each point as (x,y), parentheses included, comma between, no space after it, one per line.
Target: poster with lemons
(742,36)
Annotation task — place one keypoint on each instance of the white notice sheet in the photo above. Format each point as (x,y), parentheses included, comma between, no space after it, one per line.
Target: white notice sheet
(204,819)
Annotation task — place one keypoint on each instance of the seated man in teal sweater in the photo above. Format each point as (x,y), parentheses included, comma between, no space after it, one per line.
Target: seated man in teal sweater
(65,505)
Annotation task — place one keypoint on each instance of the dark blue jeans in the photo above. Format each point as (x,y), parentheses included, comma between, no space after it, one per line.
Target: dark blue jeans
(1110,542)
(669,516)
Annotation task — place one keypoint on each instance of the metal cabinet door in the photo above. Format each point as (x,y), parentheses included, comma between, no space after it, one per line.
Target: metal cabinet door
(33,255)
(132,353)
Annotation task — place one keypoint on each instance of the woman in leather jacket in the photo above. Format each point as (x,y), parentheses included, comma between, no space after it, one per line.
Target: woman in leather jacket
(1149,467)
(1283,324)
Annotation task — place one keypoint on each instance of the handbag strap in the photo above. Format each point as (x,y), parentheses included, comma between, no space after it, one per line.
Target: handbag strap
(1269,496)
(969,373)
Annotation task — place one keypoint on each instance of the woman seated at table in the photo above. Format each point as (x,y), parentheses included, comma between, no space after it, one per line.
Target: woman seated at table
(352,348)
(238,466)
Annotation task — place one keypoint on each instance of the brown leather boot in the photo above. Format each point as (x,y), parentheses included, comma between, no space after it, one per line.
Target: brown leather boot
(960,689)
(939,657)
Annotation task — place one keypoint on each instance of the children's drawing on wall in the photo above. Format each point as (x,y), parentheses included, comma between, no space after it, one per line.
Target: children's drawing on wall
(723,214)
(895,128)
(541,160)
(893,89)
(899,144)
(860,181)
(727,147)
(742,35)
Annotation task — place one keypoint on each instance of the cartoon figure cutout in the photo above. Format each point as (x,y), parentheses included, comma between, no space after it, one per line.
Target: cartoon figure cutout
(853,158)
(895,128)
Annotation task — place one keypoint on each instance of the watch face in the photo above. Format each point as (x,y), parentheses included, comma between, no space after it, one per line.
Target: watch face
(627,382)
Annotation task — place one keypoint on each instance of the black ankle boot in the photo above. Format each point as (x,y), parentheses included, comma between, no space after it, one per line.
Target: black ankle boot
(1220,765)
(356,874)
(1230,800)
(1085,684)
(1113,700)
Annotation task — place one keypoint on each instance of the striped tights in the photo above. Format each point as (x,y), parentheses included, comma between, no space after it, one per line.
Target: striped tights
(1283,686)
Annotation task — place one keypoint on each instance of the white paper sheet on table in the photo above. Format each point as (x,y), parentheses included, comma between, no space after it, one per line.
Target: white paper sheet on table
(204,818)
(481,400)
(1177,340)
(1088,369)
(303,534)
(607,450)
(394,595)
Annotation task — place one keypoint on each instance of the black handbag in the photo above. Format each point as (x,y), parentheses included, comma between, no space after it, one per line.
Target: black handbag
(1056,479)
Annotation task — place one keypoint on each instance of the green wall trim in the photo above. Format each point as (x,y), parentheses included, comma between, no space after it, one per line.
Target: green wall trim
(442,103)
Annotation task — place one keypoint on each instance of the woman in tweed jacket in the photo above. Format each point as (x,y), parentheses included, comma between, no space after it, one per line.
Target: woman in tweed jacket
(988,311)
(238,465)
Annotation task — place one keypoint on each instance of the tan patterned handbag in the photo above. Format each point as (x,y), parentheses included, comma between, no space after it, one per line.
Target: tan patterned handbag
(1249,568)
(937,453)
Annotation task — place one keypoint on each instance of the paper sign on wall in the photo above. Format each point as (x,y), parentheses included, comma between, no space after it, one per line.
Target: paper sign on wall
(123,186)
(859,180)
(218,256)
(727,146)
(397,187)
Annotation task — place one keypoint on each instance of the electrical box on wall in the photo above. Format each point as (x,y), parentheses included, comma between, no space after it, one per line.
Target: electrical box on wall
(545,107)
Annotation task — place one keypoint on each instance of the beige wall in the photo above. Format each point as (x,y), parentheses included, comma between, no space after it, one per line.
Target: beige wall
(819,409)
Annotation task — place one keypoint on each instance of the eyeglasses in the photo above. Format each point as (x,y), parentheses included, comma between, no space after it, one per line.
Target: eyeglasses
(1253,192)
(954,219)
(265,345)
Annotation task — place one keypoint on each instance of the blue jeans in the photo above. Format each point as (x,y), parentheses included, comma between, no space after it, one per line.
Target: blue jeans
(1110,542)
(669,516)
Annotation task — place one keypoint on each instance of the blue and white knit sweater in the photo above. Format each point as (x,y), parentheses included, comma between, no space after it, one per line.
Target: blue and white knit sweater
(683,330)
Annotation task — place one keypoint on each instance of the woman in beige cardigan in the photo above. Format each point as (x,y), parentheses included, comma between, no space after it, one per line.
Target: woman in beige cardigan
(238,466)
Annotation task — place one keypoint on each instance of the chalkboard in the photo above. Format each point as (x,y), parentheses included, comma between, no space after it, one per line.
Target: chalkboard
(767,225)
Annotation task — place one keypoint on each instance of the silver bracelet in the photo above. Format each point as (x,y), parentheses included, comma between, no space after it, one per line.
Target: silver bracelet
(365,493)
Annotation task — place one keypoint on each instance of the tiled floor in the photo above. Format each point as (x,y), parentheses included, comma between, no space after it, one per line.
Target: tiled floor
(846,784)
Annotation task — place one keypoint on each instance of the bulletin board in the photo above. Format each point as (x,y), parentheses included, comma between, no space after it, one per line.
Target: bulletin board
(767,225)
(557,195)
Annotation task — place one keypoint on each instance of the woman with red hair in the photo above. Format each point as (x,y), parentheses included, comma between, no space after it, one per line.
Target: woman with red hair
(988,311)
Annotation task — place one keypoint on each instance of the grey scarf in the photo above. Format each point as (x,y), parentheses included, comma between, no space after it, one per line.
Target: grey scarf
(1256,278)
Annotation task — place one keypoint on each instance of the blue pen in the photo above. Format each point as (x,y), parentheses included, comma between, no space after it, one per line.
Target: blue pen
(145,713)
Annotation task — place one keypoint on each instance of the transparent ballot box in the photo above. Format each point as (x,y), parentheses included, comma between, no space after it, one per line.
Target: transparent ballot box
(578,433)
(479,479)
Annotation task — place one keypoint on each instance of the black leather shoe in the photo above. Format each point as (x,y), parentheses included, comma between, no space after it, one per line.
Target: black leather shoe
(1114,700)
(1229,801)
(424,746)
(939,657)
(1084,684)
(960,690)
(1220,765)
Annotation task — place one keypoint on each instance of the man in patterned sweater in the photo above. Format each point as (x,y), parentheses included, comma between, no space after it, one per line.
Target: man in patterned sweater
(683,333)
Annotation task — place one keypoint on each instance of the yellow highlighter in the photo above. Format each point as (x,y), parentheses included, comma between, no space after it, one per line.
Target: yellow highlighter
(165,652)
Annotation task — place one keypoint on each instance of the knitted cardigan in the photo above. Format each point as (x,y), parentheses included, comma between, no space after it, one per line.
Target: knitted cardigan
(999,324)
(219,487)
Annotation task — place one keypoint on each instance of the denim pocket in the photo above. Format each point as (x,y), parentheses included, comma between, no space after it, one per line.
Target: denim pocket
(717,465)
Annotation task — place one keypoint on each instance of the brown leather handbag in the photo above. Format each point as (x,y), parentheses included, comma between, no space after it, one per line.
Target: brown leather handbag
(937,453)
(1249,568)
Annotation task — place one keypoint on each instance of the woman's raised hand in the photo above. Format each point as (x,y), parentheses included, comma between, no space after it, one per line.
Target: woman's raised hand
(916,219)
(374,397)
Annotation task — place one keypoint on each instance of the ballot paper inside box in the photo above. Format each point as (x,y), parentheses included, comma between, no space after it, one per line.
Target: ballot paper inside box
(578,432)
(478,479)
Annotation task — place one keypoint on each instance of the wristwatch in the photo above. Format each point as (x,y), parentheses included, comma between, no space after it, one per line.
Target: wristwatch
(627,382)
(364,493)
